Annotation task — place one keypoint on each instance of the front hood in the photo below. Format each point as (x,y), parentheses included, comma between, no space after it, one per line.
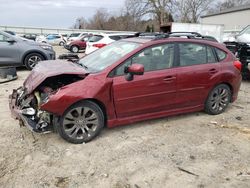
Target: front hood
(46,69)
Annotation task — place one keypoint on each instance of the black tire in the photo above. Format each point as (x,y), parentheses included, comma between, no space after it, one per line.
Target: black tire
(32,59)
(61,43)
(74,49)
(218,99)
(81,122)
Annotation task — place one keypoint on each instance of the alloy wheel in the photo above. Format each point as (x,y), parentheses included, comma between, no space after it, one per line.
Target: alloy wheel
(80,123)
(32,61)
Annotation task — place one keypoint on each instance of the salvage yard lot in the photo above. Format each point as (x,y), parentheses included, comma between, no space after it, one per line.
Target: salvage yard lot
(192,150)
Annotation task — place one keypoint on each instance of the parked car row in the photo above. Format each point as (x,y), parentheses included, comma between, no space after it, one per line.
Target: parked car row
(91,42)
(53,39)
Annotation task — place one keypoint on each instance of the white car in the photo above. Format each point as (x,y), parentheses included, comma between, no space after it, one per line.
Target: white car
(54,39)
(76,36)
(244,35)
(100,40)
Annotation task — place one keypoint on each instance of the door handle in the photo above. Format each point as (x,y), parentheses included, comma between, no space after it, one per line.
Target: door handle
(213,71)
(169,78)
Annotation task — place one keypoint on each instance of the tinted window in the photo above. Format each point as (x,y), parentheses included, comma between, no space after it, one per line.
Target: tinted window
(95,38)
(210,55)
(115,37)
(74,34)
(192,54)
(221,54)
(153,58)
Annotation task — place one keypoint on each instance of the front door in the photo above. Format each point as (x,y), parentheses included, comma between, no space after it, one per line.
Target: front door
(152,92)
(9,52)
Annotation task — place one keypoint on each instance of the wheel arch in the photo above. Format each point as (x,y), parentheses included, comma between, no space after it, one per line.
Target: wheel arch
(225,83)
(31,52)
(96,101)
(75,45)
(231,89)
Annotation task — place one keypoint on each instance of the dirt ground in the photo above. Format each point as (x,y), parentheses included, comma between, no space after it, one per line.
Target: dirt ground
(192,150)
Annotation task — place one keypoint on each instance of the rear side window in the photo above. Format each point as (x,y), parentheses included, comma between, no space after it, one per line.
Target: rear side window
(195,54)
(95,38)
(115,37)
(210,55)
(192,54)
(220,54)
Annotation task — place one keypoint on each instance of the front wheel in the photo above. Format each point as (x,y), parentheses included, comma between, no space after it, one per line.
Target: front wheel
(81,122)
(32,59)
(74,49)
(218,99)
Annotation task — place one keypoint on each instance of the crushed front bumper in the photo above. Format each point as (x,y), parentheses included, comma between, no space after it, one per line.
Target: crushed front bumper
(16,113)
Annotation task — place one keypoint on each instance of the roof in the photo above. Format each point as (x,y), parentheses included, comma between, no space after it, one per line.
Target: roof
(230,10)
(151,41)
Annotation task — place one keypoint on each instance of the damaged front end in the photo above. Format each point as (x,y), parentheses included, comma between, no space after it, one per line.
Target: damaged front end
(44,81)
(27,107)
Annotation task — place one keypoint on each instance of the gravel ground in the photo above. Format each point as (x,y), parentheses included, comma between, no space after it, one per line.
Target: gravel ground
(191,150)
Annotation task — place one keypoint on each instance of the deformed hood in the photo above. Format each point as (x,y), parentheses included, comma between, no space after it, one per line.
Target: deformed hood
(46,69)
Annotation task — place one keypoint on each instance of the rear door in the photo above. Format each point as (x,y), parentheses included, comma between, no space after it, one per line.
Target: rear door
(9,52)
(198,71)
(152,92)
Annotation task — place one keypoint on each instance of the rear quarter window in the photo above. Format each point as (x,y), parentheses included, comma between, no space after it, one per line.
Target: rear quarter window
(220,54)
(95,38)
(115,37)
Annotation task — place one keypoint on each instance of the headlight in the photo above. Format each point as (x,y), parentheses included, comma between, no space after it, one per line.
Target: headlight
(46,47)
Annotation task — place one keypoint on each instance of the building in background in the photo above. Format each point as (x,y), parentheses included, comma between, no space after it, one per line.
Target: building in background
(233,19)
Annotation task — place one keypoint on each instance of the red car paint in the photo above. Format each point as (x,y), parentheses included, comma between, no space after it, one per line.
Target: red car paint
(47,69)
(154,94)
(81,44)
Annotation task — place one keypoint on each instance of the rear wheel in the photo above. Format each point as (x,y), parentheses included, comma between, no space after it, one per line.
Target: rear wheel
(61,43)
(74,49)
(218,99)
(81,122)
(32,59)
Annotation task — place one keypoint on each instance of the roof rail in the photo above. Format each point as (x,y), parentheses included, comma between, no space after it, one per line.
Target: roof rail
(189,35)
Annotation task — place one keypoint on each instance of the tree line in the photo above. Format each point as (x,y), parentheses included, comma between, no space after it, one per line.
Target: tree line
(149,15)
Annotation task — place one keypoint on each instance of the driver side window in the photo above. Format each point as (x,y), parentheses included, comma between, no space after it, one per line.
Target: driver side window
(152,58)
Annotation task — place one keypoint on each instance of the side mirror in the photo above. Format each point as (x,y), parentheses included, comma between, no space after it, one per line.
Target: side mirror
(134,69)
(9,40)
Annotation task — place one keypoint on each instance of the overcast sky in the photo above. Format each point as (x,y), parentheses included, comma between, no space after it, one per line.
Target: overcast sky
(52,13)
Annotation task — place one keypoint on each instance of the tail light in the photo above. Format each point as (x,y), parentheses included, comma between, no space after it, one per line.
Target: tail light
(237,65)
(99,45)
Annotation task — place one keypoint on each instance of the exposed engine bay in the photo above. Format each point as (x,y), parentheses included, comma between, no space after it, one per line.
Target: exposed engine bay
(27,107)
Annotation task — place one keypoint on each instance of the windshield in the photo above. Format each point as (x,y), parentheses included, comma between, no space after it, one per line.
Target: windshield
(74,34)
(246,30)
(108,55)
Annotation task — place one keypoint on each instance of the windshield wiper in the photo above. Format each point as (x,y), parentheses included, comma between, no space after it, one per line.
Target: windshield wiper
(84,66)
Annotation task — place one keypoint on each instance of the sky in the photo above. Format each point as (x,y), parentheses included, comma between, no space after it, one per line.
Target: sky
(52,13)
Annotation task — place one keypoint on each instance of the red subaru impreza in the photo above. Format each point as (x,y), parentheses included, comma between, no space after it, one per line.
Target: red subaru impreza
(127,81)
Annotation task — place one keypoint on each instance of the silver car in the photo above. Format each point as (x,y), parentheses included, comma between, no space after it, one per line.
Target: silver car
(18,51)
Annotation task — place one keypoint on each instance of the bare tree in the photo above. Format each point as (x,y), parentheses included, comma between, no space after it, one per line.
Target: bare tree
(191,10)
(98,21)
(229,4)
